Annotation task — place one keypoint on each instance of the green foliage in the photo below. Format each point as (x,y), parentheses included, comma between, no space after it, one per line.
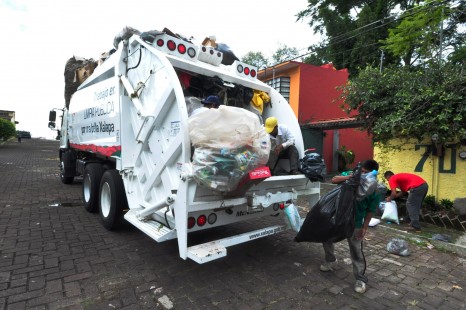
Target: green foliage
(417,37)
(346,156)
(409,31)
(446,204)
(284,53)
(7,129)
(256,59)
(430,204)
(352,30)
(415,103)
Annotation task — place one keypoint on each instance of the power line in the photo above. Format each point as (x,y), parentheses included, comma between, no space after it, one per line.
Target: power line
(345,36)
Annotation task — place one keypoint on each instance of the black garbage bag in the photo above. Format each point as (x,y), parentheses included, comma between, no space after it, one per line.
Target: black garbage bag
(331,219)
(312,165)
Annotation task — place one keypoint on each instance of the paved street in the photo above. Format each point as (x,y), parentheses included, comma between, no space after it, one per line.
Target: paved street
(55,255)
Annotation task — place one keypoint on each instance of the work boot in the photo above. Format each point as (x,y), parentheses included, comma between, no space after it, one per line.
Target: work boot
(359,287)
(328,266)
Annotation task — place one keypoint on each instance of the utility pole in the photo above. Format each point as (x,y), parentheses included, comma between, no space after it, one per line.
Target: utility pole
(381,60)
(441,39)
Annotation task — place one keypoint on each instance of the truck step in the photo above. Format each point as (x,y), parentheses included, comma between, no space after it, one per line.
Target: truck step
(153,229)
(206,252)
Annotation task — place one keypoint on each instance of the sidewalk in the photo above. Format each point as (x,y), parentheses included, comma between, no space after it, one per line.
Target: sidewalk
(55,255)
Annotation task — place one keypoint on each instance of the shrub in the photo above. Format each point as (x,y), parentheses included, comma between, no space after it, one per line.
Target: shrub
(7,129)
(446,204)
(429,203)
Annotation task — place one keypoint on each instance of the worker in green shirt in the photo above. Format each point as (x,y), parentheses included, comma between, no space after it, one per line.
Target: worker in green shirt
(364,209)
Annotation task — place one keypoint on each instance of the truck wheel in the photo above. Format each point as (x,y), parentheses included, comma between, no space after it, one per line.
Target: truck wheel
(91,184)
(67,162)
(112,200)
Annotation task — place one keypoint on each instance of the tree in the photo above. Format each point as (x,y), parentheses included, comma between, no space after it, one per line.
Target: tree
(256,59)
(7,129)
(284,53)
(351,30)
(425,31)
(409,102)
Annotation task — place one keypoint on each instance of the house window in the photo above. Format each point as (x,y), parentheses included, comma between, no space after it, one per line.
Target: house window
(282,85)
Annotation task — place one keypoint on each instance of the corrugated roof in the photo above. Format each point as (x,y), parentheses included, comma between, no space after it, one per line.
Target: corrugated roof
(338,123)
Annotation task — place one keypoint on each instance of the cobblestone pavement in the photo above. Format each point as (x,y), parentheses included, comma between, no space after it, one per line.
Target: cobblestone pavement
(55,255)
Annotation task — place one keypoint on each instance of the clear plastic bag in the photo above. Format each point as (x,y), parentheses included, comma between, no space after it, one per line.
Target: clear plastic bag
(229,143)
(368,185)
(398,246)
(293,219)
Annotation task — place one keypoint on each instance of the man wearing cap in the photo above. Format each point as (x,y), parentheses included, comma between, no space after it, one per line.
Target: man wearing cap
(208,103)
(283,147)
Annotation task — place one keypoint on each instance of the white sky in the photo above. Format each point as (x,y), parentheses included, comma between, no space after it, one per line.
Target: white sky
(39,36)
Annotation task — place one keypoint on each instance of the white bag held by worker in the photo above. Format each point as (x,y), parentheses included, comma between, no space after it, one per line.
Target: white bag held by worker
(390,212)
(292,217)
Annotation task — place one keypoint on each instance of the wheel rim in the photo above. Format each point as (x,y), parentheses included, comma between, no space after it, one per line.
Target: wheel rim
(87,183)
(105,200)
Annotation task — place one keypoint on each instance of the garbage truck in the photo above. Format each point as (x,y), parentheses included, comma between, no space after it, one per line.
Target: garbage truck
(126,132)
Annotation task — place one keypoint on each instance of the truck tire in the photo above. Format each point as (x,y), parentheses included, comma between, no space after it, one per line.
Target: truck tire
(112,202)
(91,185)
(67,167)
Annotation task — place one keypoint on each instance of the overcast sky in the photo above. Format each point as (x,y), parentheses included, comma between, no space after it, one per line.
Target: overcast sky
(39,36)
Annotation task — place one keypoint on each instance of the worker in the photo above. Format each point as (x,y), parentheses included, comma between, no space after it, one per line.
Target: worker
(282,146)
(207,103)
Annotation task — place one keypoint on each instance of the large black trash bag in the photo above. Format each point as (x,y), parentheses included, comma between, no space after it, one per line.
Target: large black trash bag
(312,165)
(332,217)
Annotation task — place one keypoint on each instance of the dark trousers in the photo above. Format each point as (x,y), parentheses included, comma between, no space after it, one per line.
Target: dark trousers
(413,205)
(291,153)
(357,255)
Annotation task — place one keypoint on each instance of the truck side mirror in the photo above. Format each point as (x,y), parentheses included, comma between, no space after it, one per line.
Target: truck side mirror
(52,125)
(52,117)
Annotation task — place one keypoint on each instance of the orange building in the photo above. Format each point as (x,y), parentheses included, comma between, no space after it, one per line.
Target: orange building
(312,92)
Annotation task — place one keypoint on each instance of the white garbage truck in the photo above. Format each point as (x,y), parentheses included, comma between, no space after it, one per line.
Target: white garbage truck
(126,132)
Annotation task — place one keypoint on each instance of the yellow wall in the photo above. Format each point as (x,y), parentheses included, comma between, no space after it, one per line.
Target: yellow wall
(446,176)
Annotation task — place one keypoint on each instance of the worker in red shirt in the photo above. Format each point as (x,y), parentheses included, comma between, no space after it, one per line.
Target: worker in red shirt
(415,186)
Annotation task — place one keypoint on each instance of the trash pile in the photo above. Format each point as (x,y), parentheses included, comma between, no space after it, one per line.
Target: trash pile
(228,143)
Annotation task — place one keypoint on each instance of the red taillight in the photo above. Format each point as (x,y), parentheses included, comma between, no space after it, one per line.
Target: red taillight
(171,45)
(191,222)
(253,73)
(201,220)
(282,206)
(160,42)
(182,49)
(246,71)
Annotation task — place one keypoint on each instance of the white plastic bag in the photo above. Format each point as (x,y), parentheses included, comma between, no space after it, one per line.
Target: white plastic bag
(390,212)
(292,217)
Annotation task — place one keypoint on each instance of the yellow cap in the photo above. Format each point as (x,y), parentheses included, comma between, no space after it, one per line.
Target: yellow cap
(270,124)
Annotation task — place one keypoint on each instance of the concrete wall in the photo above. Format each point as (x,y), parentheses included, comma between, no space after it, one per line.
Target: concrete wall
(446,175)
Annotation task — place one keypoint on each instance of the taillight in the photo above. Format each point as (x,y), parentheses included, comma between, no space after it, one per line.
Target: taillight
(244,70)
(212,218)
(191,222)
(201,220)
(181,48)
(171,45)
(191,52)
(160,42)
(281,206)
